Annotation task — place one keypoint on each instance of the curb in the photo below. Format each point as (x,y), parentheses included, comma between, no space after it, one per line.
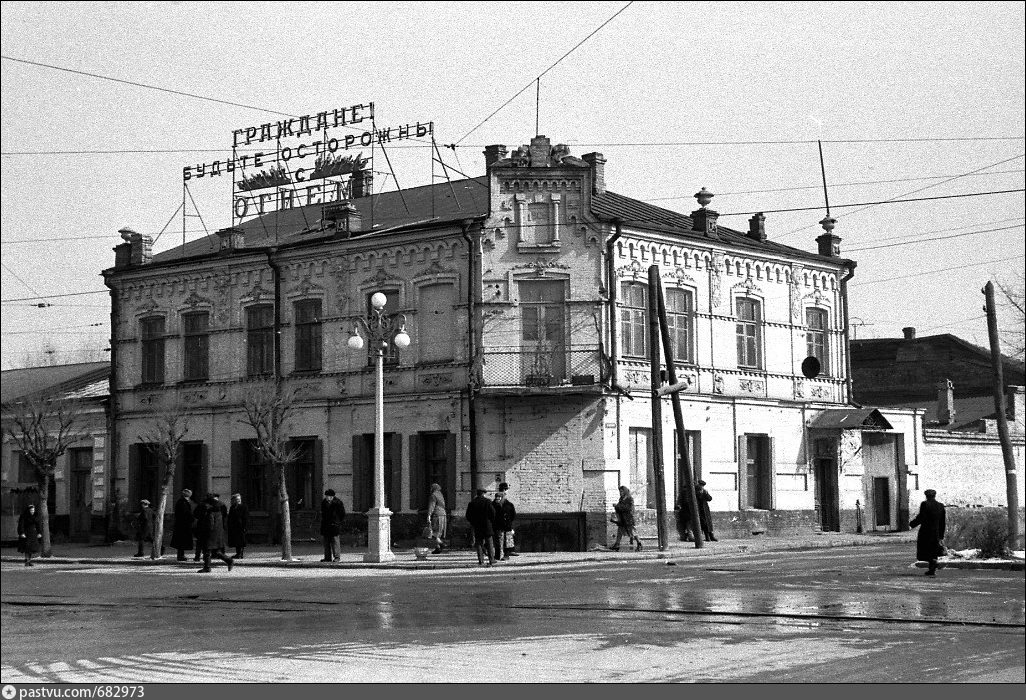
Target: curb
(1007,565)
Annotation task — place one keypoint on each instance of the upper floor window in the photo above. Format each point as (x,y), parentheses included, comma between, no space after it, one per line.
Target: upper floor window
(308,335)
(391,308)
(816,337)
(634,319)
(749,333)
(151,331)
(196,332)
(259,340)
(543,331)
(680,320)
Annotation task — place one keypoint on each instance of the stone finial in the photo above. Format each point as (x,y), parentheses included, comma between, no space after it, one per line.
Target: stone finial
(828,243)
(704,220)
(704,196)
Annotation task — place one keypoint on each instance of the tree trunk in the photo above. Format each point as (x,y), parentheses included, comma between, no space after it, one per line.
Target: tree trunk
(158,522)
(286,519)
(44,512)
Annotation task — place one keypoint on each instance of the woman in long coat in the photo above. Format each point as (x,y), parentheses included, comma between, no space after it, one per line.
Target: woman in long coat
(210,533)
(30,533)
(931,524)
(625,519)
(437,517)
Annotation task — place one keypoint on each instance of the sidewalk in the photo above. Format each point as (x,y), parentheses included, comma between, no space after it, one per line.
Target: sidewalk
(307,555)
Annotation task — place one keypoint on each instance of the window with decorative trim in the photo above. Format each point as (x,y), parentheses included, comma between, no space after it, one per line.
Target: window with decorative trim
(196,346)
(680,321)
(749,333)
(260,340)
(634,319)
(151,332)
(816,340)
(543,330)
(308,338)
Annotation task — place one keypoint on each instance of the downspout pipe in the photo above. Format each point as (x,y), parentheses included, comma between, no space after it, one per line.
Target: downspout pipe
(473,291)
(276,274)
(113,527)
(611,294)
(847,345)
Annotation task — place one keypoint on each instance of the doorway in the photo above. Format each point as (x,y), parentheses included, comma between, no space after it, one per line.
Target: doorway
(882,502)
(80,494)
(827,494)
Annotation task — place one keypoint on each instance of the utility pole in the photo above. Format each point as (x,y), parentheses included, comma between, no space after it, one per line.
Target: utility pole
(1002,418)
(657,400)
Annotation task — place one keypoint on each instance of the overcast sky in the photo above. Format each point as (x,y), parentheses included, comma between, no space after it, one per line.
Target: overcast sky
(906,97)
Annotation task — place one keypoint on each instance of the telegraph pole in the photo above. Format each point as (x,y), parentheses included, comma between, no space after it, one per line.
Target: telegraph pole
(1002,418)
(657,400)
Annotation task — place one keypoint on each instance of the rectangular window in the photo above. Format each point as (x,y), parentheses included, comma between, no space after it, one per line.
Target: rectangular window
(634,319)
(149,475)
(390,309)
(192,469)
(680,315)
(260,340)
(196,329)
(642,469)
(437,322)
(816,337)
(749,334)
(308,335)
(543,331)
(300,475)
(254,479)
(363,471)
(26,472)
(152,332)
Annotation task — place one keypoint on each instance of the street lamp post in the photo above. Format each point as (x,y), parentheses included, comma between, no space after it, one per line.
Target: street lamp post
(380,328)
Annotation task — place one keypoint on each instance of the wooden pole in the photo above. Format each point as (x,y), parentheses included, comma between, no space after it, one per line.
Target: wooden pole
(657,413)
(1002,418)
(688,497)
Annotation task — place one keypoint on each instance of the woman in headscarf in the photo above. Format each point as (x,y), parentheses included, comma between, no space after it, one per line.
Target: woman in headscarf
(437,517)
(29,533)
(625,520)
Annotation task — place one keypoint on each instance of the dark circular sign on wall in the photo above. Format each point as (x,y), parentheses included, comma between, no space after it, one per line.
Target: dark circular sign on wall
(810,367)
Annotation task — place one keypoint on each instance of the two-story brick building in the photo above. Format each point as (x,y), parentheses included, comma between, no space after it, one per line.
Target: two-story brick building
(525,294)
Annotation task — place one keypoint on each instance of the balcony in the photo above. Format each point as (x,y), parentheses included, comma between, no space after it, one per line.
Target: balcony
(543,368)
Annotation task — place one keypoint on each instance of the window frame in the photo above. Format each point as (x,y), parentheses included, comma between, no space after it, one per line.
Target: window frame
(152,350)
(749,333)
(681,323)
(259,364)
(308,335)
(195,347)
(823,333)
(632,318)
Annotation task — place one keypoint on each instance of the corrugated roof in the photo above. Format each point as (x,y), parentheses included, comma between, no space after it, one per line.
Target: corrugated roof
(16,383)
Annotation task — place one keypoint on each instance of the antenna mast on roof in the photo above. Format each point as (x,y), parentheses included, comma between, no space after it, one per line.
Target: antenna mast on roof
(822,169)
(537,105)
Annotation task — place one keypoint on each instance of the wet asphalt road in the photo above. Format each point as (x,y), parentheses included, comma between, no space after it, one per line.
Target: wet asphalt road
(831,615)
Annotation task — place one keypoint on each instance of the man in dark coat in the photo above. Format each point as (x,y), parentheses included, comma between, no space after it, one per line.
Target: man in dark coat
(210,532)
(505,513)
(930,521)
(143,526)
(181,533)
(702,497)
(481,516)
(238,524)
(30,533)
(333,513)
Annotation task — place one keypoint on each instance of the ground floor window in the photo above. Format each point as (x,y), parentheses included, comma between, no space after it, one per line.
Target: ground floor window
(363,471)
(642,469)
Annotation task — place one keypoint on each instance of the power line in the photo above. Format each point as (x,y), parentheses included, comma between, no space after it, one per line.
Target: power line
(953,323)
(23,282)
(861,204)
(937,238)
(944,230)
(52,296)
(149,87)
(540,75)
(931,272)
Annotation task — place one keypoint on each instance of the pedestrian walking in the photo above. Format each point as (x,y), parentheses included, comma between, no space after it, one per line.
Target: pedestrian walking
(143,526)
(197,513)
(505,514)
(481,516)
(30,533)
(930,539)
(333,512)
(624,518)
(210,532)
(509,544)
(238,525)
(704,515)
(437,518)
(184,521)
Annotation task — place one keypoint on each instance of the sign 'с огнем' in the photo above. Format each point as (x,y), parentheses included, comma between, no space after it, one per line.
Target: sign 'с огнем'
(328,166)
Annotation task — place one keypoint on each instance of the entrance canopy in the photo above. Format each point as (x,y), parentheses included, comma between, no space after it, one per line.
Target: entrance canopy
(850,419)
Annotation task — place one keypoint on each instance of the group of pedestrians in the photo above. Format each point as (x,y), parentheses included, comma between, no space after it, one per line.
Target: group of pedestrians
(491,525)
(206,528)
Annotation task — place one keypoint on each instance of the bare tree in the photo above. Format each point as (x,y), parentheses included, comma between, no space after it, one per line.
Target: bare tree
(269,409)
(164,440)
(43,429)
(1014,307)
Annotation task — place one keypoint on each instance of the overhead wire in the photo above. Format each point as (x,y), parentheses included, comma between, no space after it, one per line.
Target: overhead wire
(932,272)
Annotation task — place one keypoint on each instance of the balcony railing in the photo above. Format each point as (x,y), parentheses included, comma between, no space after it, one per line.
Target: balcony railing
(543,365)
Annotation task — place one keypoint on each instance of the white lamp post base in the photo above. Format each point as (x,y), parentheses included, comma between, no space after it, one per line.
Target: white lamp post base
(379,535)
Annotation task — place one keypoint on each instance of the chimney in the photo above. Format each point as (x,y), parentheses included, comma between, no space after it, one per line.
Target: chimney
(598,171)
(362,183)
(1015,404)
(344,216)
(232,238)
(704,220)
(757,227)
(829,244)
(945,402)
(493,153)
(540,149)
(140,247)
(909,332)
